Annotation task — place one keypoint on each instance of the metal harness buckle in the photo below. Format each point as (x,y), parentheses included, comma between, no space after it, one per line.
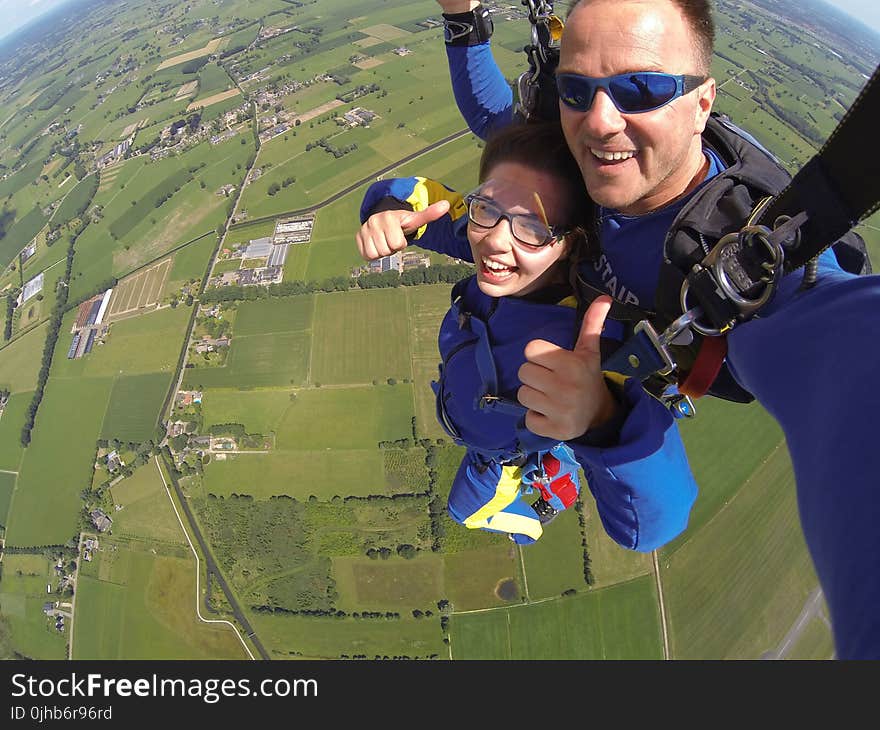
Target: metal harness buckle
(733,282)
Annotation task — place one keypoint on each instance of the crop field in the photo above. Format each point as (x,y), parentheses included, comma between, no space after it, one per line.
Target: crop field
(20,234)
(133,604)
(395,584)
(11,423)
(22,595)
(144,510)
(406,471)
(427,306)
(58,462)
(350,418)
(756,586)
(474,578)
(135,405)
(332,251)
(7,486)
(20,361)
(555,562)
(77,199)
(363,337)
(259,411)
(139,291)
(258,361)
(190,263)
(621,622)
(324,473)
(289,314)
(206,50)
(726,445)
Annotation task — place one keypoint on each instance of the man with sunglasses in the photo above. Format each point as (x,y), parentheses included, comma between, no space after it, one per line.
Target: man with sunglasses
(635,102)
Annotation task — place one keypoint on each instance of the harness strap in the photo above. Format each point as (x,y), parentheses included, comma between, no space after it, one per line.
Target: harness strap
(706,367)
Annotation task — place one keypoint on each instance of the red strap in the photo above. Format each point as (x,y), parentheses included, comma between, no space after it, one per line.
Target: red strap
(709,360)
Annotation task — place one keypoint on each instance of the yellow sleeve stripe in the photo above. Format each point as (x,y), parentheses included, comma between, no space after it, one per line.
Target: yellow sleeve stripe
(428,191)
(506,491)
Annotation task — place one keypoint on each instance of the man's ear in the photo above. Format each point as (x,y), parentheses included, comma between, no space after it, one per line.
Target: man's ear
(705,100)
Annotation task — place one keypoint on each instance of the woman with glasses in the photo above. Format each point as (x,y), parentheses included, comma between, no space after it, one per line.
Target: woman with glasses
(523,229)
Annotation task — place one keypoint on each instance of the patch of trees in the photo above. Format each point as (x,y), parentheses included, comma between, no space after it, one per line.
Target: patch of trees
(10,308)
(228,429)
(589,579)
(795,121)
(191,67)
(358,91)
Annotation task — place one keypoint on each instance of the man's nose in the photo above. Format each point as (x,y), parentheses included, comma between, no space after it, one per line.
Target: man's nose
(602,119)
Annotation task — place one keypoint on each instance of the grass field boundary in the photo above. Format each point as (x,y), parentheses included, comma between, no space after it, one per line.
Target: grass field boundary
(198,567)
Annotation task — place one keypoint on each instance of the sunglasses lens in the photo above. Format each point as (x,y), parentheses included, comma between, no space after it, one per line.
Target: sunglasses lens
(575,92)
(641,92)
(631,93)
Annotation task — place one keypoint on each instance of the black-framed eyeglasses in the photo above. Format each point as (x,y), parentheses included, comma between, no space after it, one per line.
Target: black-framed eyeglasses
(528,229)
(631,93)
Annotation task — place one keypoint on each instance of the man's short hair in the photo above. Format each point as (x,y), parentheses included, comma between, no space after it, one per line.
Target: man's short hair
(698,16)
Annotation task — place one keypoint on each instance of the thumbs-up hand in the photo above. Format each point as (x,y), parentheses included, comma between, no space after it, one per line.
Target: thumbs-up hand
(564,390)
(385,233)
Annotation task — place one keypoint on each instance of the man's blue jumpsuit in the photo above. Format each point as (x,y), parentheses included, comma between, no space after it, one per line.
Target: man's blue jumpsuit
(643,485)
(810,359)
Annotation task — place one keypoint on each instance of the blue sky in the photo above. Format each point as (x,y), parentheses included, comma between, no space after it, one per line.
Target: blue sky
(15,13)
(868,11)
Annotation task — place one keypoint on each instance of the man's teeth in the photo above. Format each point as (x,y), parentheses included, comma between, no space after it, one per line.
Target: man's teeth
(495,266)
(612,156)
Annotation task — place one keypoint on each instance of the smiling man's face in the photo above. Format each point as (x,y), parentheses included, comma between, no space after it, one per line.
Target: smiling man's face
(634,163)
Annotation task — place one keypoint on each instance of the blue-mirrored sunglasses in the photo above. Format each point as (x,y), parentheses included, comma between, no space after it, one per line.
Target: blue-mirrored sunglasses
(631,93)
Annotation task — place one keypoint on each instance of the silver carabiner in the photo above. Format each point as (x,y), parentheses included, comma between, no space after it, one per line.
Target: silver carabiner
(732,280)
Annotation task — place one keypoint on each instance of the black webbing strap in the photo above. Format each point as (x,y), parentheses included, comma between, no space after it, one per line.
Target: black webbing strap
(838,187)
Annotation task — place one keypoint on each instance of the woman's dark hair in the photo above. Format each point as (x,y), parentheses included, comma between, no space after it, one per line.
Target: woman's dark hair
(542,146)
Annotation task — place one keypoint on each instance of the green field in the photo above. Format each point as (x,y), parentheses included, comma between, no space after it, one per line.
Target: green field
(190,263)
(755,586)
(305,637)
(300,474)
(133,604)
(148,343)
(58,463)
(290,314)
(135,407)
(11,424)
(258,361)
(20,361)
(22,595)
(7,486)
(620,622)
(389,585)
(353,418)
(554,563)
(363,337)
(146,512)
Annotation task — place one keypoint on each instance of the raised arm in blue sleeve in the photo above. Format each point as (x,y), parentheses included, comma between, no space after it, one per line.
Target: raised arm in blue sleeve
(811,360)
(447,235)
(643,484)
(482,94)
